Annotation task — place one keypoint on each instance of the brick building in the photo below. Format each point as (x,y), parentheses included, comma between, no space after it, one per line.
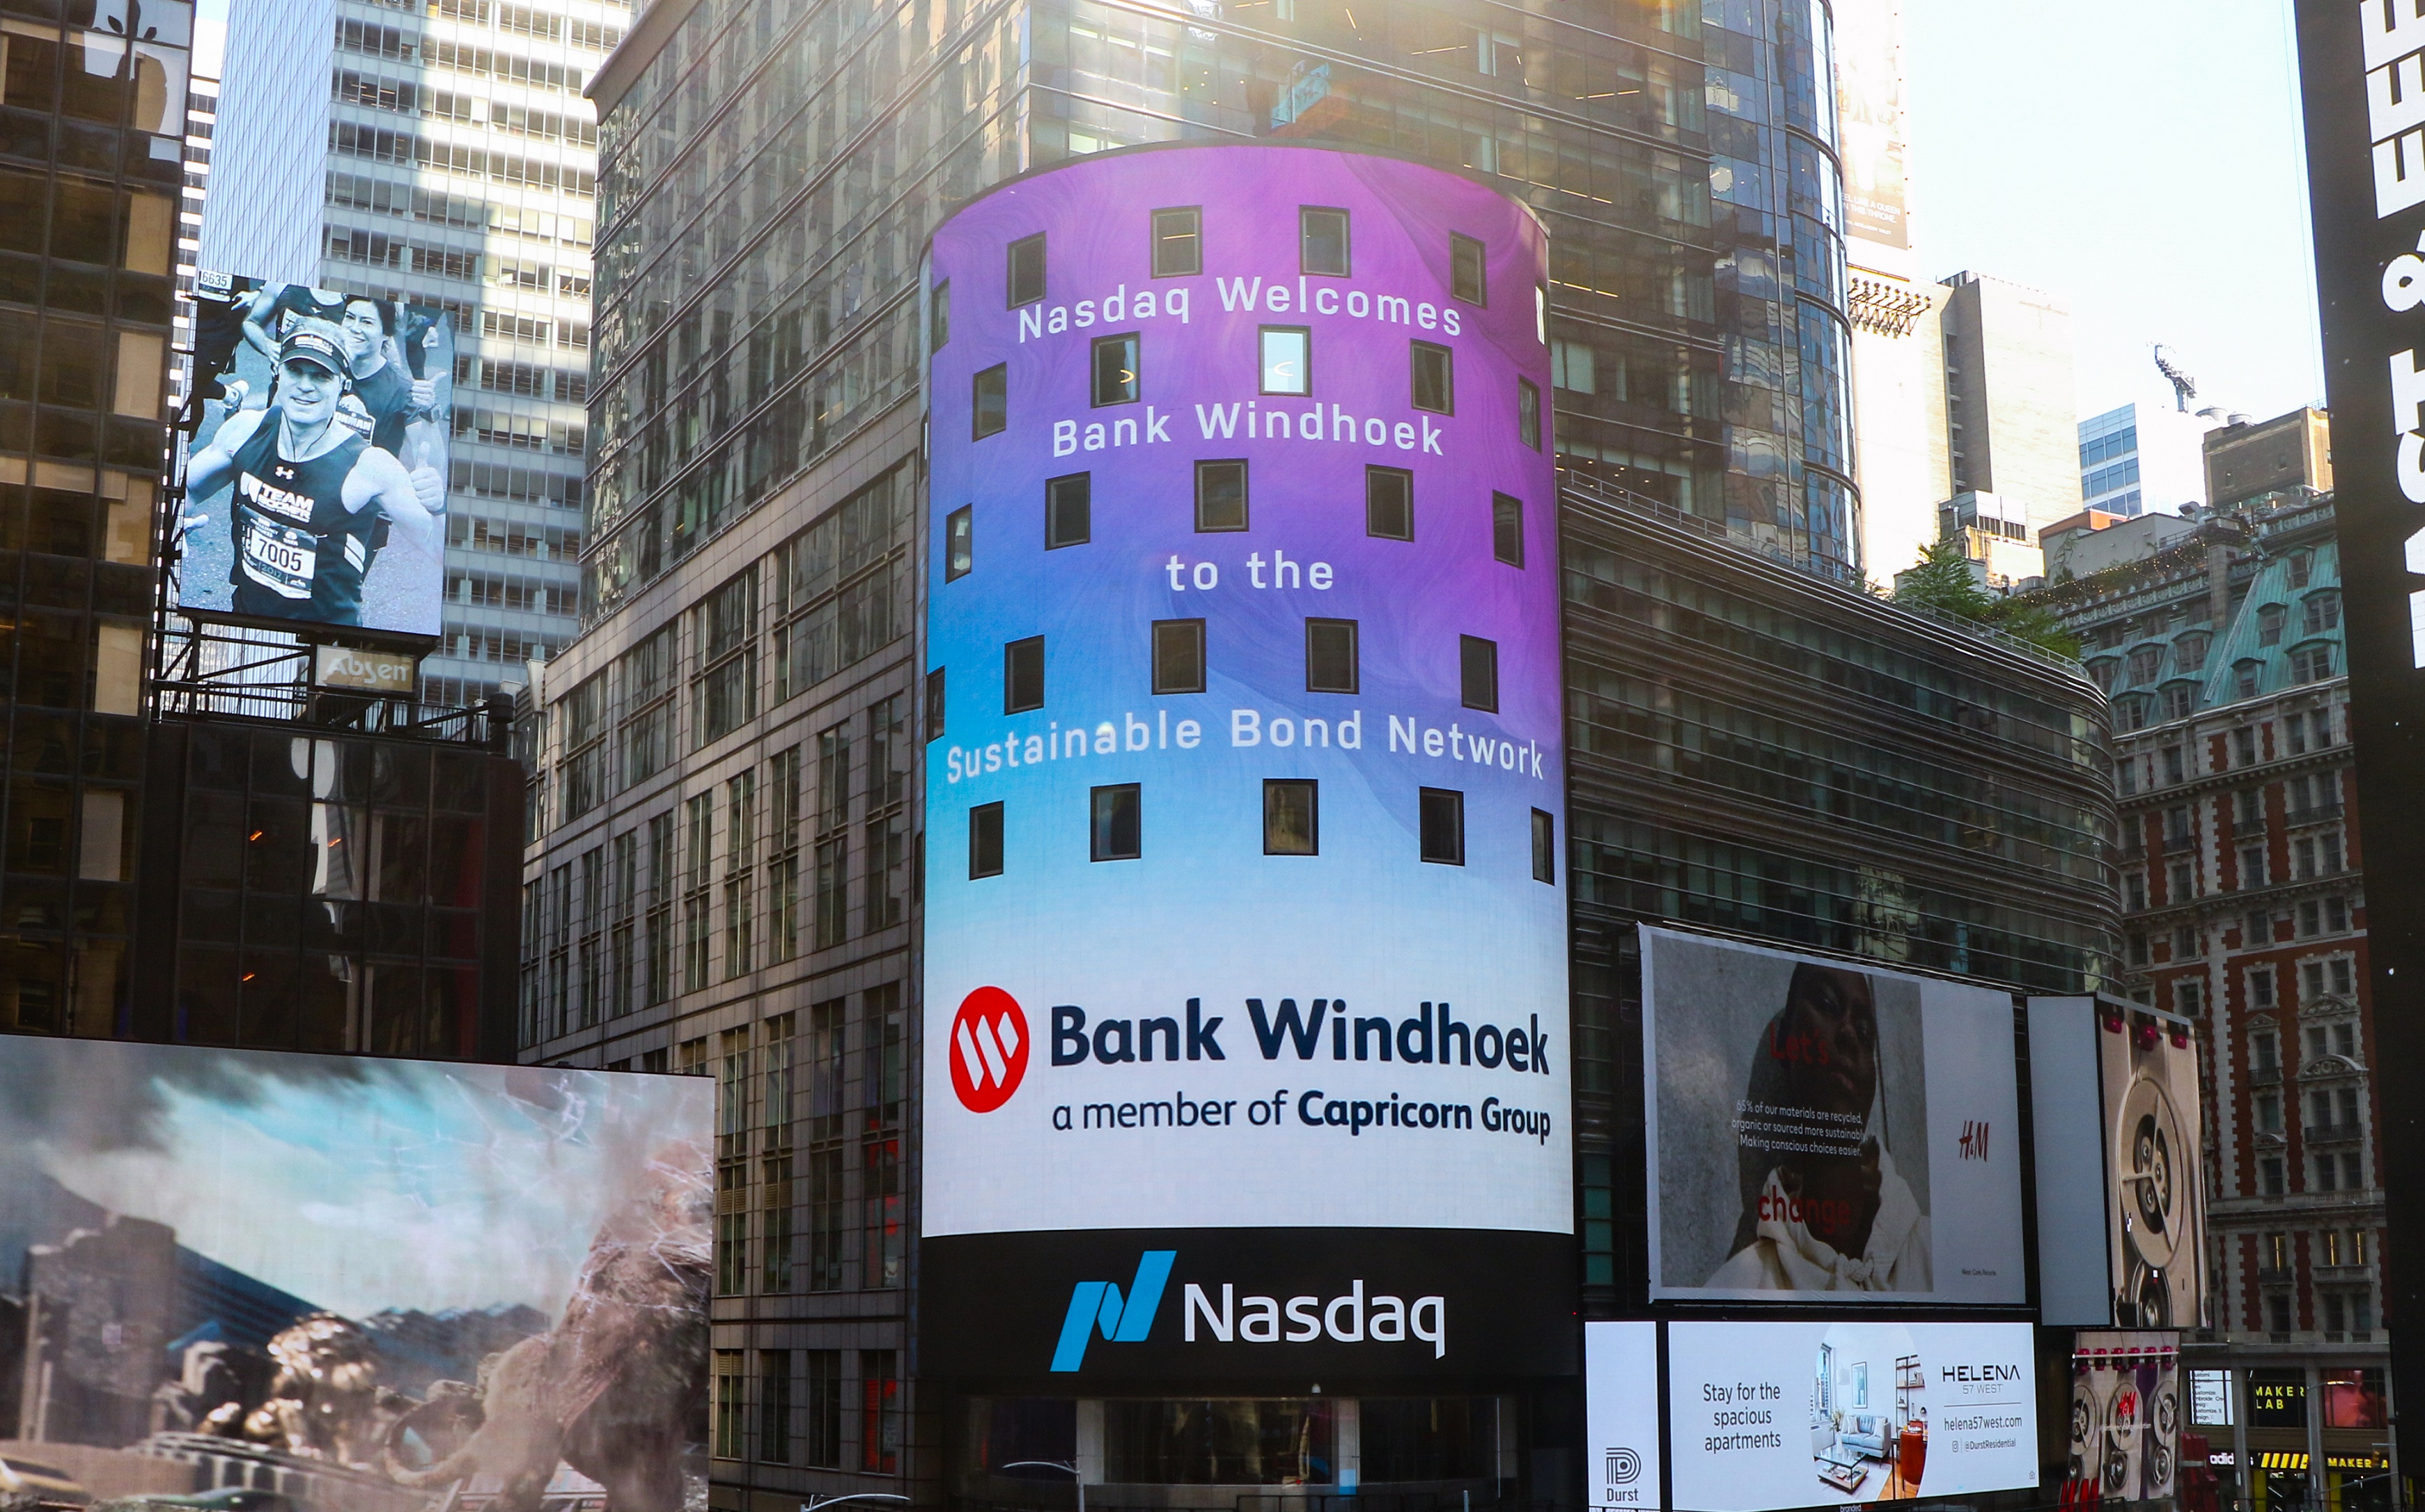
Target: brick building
(2219,643)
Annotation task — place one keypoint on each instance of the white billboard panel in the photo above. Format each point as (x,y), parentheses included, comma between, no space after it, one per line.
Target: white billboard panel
(1765,1415)
(1623,1455)
(1816,1127)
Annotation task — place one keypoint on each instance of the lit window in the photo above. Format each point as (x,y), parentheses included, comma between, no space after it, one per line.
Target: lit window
(959,552)
(1022,675)
(1286,357)
(1114,831)
(1026,277)
(1478,670)
(1178,657)
(1292,817)
(1221,495)
(1178,243)
(1322,240)
(1389,502)
(1069,511)
(1442,822)
(1331,663)
(985,841)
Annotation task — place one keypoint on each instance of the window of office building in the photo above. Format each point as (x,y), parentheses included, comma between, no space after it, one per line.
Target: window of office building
(1292,817)
(985,841)
(1069,511)
(1115,370)
(959,542)
(1178,657)
(1545,847)
(1389,502)
(1508,528)
(1468,261)
(1115,827)
(1221,495)
(1022,675)
(1528,412)
(1478,671)
(990,401)
(1442,825)
(1178,242)
(1330,656)
(1433,380)
(1025,280)
(939,316)
(1321,241)
(1285,360)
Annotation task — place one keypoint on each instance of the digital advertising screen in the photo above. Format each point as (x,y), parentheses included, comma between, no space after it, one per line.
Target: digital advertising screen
(377,1285)
(2126,1413)
(1624,1456)
(1766,1415)
(316,470)
(1817,1127)
(2156,1228)
(1245,899)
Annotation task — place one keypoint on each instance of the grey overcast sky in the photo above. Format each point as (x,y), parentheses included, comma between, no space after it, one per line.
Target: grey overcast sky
(2140,158)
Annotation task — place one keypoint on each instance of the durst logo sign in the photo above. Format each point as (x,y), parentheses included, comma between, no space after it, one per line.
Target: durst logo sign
(1127,1316)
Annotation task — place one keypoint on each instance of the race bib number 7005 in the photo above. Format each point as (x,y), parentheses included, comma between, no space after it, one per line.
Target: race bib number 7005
(280,559)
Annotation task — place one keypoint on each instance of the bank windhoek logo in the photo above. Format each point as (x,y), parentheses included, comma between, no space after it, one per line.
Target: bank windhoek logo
(989,1049)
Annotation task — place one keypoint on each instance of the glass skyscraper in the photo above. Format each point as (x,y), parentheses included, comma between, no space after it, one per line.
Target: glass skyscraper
(92,126)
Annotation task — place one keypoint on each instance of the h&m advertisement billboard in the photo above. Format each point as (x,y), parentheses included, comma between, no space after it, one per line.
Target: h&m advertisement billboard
(316,489)
(1815,1126)
(379,1285)
(1246,963)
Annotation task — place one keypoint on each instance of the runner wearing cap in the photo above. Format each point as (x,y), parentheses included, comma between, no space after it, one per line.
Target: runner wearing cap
(310,493)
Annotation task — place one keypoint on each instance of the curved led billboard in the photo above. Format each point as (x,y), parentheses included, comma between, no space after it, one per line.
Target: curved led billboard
(1245,905)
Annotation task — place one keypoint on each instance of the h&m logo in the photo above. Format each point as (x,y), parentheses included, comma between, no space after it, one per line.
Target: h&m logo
(1100,1304)
(1975,1140)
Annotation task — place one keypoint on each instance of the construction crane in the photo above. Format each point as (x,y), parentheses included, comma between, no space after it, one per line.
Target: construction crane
(2184,386)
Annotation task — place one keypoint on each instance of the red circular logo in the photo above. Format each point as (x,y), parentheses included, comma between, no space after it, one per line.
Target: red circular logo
(989,1049)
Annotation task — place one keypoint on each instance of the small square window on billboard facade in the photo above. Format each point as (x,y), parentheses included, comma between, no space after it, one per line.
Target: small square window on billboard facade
(985,841)
(1443,825)
(1178,243)
(1069,511)
(1508,528)
(959,545)
(1528,412)
(1322,240)
(1478,672)
(1022,675)
(989,402)
(1221,495)
(1330,661)
(1466,276)
(1116,830)
(1026,276)
(1389,502)
(1178,657)
(1292,817)
(1285,360)
(939,316)
(1545,847)
(1115,370)
(1434,383)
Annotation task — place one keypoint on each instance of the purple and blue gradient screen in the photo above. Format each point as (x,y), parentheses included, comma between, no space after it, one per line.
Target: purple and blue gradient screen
(1433,1091)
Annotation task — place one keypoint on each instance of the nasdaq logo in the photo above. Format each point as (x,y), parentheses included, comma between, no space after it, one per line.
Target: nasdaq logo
(1123,1318)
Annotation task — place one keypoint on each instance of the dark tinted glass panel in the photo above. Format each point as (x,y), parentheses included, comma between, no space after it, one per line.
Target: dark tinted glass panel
(1389,502)
(1323,240)
(1478,669)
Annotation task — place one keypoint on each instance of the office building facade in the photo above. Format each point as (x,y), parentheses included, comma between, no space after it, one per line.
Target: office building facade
(730,848)
(442,154)
(2244,909)
(2141,456)
(92,129)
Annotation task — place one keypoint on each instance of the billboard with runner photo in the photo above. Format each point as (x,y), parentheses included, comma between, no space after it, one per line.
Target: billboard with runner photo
(315,478)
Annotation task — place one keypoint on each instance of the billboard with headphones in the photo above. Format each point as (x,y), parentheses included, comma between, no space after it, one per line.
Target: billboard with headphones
(316,464)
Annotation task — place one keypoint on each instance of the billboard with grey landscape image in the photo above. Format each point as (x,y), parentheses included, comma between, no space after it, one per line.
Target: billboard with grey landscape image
(316,472)
(371,1285)
(1817,1126)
